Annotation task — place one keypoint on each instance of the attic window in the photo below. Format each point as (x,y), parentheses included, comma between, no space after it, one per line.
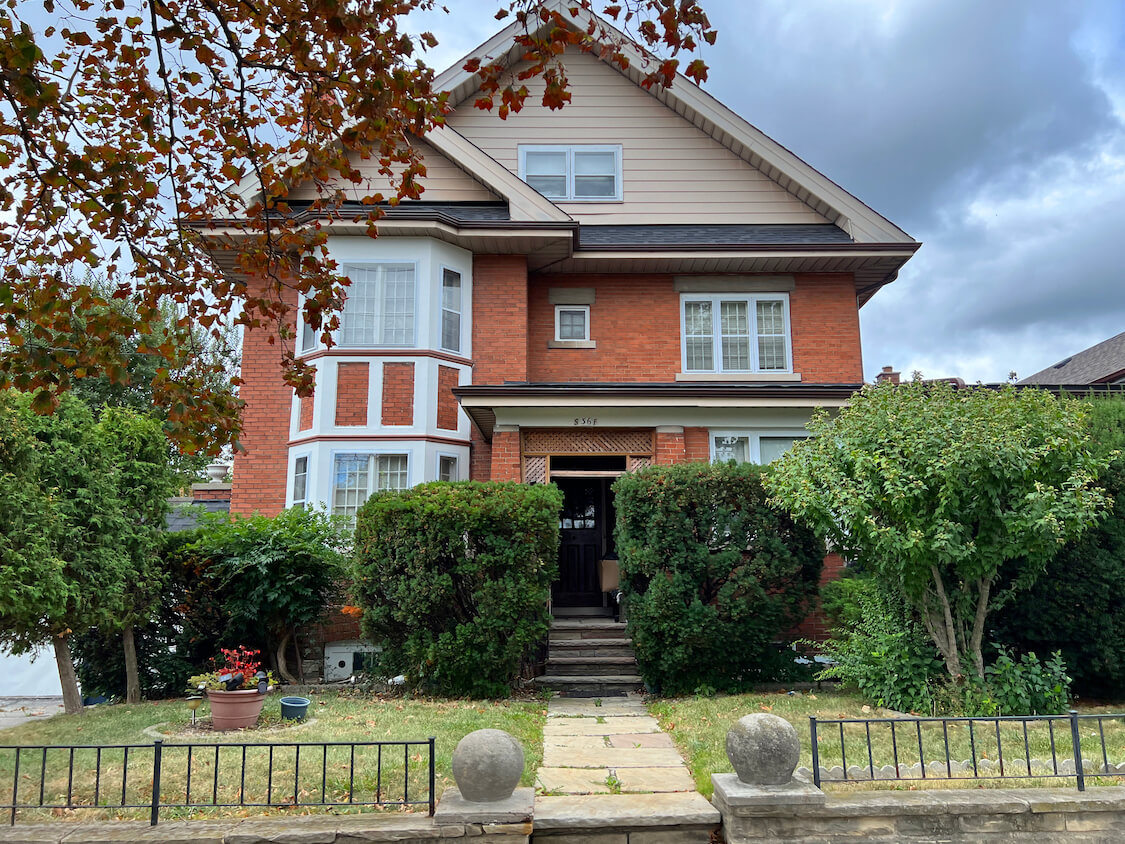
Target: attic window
(581,173)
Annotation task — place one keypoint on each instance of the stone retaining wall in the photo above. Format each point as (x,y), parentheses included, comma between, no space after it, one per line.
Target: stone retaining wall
(947,815)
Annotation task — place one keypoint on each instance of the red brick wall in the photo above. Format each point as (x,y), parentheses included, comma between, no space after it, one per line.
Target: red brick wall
(398,393)
(696,447)
(446,401)
(305,413)
(506,465)
(351,393)
(480,456)
(499,318)
(825,330)
(204,494)
(635,322)
(815,625)
(260,470)
(669,448)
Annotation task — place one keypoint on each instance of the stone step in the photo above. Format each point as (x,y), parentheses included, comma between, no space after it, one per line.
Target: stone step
(594,628)
(582,612)
(590,647)
(590,686)
(593,666)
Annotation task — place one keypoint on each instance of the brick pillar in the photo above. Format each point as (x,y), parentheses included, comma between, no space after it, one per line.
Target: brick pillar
(669,445)
(506,456)
(259,472)
(480,457)
(696,447)
(499,318)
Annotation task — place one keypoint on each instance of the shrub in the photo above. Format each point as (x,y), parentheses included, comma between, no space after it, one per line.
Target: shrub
(711,574)
(454,581)
(877,647)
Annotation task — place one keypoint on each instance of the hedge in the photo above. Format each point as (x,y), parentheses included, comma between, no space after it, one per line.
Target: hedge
(712,576)
(453,580)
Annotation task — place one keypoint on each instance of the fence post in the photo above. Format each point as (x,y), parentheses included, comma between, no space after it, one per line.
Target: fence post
(157,752)
(433,776)
(815,752)
(1077,742)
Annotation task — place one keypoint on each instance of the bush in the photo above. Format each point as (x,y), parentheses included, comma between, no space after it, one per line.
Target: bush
(877,647)
(711,574)
(454,581)
(1078,604)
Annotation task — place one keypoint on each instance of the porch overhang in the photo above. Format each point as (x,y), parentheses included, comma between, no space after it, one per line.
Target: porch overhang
(483,402)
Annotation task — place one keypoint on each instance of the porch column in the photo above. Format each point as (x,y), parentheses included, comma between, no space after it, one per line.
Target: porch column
(669,445)
(506,453)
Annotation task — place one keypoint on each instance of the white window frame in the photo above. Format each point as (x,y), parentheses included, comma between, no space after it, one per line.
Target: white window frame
(304,501)
(442,269)
(377,342)
(446,455)
(372,472)
(558,313)
(751,300)
(755,437)
(570,149)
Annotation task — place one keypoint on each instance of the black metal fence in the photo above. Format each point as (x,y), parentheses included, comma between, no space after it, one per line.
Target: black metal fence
(203,776)
(1070,746)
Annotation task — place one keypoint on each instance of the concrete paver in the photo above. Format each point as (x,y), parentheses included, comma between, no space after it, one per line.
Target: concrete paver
(614,725)
(609,757)
(641,740)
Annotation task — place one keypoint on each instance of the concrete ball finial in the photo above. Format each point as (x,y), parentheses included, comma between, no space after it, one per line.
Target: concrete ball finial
(487,766)
(764,749)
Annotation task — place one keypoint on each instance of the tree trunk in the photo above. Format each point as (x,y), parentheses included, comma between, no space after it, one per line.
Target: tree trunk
(72,700)
(952,652)
(132,679)
(300,661)
(984,587)
(282,668)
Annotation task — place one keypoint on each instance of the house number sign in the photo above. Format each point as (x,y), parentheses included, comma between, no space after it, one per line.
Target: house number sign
(585,420)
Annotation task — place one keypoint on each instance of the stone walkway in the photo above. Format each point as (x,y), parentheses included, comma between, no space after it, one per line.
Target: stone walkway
(607,746)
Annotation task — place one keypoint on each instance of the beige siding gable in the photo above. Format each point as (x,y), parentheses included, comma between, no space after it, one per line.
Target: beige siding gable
(672,171)
(444,181)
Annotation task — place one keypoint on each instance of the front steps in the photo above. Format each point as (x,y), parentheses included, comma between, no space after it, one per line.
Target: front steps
(589,656)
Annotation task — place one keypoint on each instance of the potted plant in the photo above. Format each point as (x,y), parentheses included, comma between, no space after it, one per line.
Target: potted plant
(236,689)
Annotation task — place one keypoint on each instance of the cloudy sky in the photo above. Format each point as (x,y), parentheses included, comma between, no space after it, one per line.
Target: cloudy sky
(993,132)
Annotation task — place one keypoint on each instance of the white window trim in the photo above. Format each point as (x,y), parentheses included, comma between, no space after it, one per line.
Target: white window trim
(558,312)
(437,464)
(371,475)
(338,334)
(307,455)
(442,309)
(752,300)
(570,149)
(302,325)
(755,436)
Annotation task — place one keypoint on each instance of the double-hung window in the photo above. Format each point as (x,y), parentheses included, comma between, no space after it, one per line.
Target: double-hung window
(748,447)
(357,476)
(451,310)
(736,333)
(447,468)
(379,310)
(588,173)
(300,482)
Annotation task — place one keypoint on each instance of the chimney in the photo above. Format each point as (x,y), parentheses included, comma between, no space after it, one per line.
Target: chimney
(888,374)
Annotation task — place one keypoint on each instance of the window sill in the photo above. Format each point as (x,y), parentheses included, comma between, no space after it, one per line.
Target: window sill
(757,377)
(572,344)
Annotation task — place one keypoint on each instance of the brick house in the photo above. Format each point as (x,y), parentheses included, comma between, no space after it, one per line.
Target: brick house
(642,277)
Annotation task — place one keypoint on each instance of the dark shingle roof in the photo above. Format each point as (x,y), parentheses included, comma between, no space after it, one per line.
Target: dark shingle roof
(185,515)
(468,212)
(734,234)
(1097,364)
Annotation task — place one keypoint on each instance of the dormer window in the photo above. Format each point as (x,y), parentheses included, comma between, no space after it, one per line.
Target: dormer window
(577,173)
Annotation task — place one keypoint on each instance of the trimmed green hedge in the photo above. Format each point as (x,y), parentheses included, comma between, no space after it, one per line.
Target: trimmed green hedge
(454,581)
(712,576)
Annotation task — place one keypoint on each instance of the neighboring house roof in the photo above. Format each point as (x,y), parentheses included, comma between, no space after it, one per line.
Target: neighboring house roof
(1100,364)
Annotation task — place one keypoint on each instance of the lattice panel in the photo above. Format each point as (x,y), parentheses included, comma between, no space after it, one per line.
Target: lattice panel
(586,441)
(638,463)
(535,470)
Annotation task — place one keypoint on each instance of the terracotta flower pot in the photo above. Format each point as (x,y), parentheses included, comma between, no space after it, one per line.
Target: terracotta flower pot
(235,710)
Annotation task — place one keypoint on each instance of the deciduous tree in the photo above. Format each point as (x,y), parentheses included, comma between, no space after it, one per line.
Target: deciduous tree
(937,491)
(128,129)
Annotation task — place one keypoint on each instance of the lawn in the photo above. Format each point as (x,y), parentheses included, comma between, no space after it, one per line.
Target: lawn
(699,726)
(333,717)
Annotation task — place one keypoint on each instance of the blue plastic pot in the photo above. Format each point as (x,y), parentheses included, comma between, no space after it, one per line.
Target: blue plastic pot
(294,708)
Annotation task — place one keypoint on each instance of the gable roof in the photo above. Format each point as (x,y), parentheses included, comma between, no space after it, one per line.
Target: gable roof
(862,223)
(1103,363)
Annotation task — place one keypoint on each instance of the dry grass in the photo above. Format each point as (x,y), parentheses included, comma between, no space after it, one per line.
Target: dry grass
(699,726)
(245,775)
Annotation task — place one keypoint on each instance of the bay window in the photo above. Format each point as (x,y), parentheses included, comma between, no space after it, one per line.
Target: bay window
(356,476)
(379,310)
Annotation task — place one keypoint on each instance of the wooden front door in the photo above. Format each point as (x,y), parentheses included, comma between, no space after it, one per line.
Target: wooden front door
(581,542)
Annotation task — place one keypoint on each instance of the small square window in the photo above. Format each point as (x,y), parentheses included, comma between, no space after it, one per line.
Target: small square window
(572,322)
(447,468)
